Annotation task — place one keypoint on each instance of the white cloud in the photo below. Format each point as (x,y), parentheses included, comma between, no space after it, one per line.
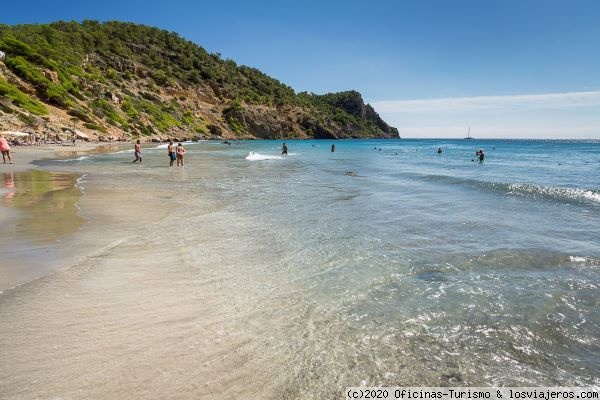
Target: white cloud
(513,102)
(492,131)
(551,115)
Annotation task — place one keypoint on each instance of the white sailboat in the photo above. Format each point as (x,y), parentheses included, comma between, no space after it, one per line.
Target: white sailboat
(469,134)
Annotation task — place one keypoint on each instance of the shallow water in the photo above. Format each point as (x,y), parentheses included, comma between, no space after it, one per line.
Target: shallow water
(40,210)
(246,274)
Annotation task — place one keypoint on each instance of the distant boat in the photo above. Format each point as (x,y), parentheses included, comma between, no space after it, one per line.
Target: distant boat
(469,134)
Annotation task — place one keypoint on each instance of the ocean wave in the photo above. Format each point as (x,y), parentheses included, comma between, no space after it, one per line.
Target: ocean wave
(75,159)
(560,193)
(165,145)
(261,157)
(565,194)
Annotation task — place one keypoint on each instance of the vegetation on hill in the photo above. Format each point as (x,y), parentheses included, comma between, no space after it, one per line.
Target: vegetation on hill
(137,80)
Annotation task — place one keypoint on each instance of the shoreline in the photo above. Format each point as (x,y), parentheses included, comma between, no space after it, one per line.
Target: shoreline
(24,157)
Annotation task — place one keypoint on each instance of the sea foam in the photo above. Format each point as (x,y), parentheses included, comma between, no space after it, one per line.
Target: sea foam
(261,157)
(75,159)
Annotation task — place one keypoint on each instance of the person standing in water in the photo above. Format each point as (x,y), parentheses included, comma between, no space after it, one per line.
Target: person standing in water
(333,148)
(284,149)
(171,151)
(138,151)
(439,150)
(5,149)
(480,154)
(180,152)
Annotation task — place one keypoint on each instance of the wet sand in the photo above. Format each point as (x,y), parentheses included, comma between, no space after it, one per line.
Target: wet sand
(38,211)
(24,156)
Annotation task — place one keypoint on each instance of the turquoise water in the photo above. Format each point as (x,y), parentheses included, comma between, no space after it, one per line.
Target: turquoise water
(386,263)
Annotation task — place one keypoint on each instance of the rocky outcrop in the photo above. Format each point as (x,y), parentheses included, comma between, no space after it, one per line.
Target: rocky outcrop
(52,76)
(353,103)
(261,123)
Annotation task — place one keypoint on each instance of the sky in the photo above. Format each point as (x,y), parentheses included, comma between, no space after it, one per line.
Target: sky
(431,68)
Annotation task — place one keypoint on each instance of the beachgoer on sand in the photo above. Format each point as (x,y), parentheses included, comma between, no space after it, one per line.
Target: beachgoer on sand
(138,151)
(180,152)
(172,155)
(5,149)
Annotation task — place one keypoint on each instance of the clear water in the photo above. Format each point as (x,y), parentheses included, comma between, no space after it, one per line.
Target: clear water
(383,263)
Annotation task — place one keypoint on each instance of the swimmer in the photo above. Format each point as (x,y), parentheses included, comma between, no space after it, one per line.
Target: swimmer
(480,154)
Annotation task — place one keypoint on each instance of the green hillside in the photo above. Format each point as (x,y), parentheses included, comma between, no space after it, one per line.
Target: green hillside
(132,80)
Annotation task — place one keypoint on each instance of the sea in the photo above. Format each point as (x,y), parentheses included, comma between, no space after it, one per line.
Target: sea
(251,274)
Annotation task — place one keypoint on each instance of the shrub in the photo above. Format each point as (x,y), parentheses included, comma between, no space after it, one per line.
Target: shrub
(112,115)
(235,124)
(80,114)
(21,99)
(53,92)
(95,127)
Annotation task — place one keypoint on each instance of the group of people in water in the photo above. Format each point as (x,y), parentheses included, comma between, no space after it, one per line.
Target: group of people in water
(479,154)
(175,153)
(284,149)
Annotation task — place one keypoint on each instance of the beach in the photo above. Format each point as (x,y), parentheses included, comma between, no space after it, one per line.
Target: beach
(247,274)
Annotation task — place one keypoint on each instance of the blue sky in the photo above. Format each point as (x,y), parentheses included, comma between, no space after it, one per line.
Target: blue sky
(506,68)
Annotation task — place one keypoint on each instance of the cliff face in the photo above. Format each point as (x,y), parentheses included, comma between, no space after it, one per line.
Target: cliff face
(126,80)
